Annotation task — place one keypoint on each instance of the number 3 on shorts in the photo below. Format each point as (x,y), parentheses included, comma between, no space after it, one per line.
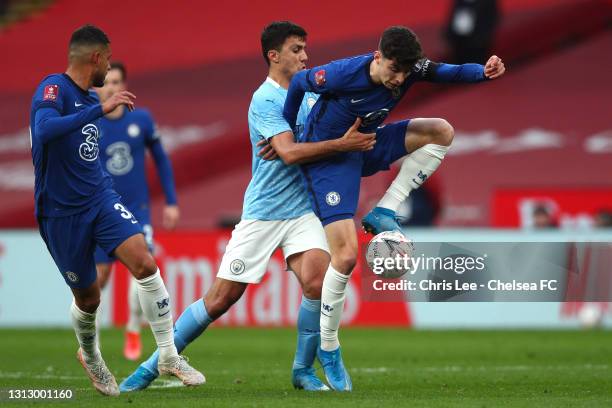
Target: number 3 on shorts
(125,213)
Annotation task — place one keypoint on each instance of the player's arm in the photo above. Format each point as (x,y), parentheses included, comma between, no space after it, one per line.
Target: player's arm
(291,152)
(164,172)
(49,123)
(471,73)
(323,79)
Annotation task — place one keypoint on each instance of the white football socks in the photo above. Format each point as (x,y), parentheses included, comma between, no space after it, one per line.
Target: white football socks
(333,294)
(85,329)
(415,169)
(135,317)
(155,303)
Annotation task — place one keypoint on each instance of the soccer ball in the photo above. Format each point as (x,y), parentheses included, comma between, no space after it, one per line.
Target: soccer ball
(389,254)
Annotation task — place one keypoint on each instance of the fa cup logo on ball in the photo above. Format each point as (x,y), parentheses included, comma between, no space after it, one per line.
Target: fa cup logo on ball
(389,254)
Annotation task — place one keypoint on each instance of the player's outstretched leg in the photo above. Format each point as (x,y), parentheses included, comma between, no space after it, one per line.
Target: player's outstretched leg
(88,354)
(309,267)
(189,326)
(132,348)
(155,303)
(342,239)
(426,141)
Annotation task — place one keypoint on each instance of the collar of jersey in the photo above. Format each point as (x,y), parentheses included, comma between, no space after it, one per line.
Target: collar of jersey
(273,82)
(84,92)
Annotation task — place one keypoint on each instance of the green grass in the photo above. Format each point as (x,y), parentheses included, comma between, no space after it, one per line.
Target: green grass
(389,367)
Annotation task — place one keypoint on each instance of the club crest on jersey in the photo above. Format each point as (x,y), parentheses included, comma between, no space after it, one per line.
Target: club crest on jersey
(50,93)
(237,266)
(319,77)
(88,150)
(332,198)
(133,130)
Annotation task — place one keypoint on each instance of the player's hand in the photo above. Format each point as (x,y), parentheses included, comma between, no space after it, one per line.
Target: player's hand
(354,140)
(171,216)
(120,98)
(266,150)
(494,68)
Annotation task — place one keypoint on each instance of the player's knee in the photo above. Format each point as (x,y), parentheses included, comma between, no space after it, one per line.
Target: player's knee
(311,288)
(345,260)
(144,266)
(88,304)
(443,133)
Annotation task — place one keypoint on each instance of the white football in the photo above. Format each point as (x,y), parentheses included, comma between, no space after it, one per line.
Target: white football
(389,254)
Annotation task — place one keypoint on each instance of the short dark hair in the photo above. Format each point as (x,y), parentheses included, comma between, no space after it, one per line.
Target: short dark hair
(401,44)
(274,35)
(121,67)
(88,35)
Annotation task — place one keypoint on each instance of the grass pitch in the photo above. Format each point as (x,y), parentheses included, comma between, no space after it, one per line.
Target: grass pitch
(389,367)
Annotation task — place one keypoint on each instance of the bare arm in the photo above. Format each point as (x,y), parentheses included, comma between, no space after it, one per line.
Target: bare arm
(291,152)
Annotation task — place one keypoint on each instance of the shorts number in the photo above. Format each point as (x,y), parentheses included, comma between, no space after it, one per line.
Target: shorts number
(125,213)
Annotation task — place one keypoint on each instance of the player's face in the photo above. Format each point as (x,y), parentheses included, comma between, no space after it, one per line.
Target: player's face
(101,60)
(292,57)
(388,73)
(112,84)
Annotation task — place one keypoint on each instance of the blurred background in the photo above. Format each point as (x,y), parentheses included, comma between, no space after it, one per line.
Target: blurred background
(532,152)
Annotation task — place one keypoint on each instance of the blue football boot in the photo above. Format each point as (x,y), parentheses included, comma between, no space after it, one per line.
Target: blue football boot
(336,374)
(138,380)
(306,379)
(380,220)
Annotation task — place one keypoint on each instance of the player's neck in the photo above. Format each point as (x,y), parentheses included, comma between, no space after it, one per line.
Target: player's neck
(279,78)
(374,73)
(117,113)
(80,77)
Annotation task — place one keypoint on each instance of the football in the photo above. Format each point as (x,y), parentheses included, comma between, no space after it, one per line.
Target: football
(389,254)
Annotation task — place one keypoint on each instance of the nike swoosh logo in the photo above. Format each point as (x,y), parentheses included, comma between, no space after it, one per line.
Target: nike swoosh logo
(417,183)
(76,105)
(357,100)
(163,314)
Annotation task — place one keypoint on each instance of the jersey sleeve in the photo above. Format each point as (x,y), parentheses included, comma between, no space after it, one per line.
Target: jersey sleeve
(322,79)
(448,73)
(50,94)
(152,134)
(268,120)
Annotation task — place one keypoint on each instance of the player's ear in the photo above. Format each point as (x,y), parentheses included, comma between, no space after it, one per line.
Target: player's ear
(274,56)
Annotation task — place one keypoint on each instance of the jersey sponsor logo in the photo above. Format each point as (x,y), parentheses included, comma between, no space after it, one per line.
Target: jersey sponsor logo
(133,130)
(72,277)
(50,93)
(121,160)
(332,198)
(237,266)
(375,117)
(319,77)
(88,150)
(357,100)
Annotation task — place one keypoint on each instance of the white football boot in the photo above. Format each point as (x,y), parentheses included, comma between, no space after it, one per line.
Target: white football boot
(100,376)
(179,368)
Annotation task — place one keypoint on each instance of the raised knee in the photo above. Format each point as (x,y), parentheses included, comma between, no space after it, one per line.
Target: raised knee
(443,133)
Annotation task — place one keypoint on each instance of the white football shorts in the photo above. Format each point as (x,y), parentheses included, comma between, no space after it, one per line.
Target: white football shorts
(254,241)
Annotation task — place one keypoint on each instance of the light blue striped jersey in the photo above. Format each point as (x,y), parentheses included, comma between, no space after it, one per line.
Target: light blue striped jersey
(276,191)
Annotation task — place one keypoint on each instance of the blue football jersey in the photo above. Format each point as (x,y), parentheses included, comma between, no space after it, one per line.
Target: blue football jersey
(348,91)
(68,175)
(276,191)
(123,142)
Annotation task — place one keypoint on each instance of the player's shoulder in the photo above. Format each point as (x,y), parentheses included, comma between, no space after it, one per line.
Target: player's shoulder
(352,64)
(266,96)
